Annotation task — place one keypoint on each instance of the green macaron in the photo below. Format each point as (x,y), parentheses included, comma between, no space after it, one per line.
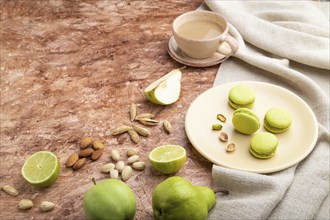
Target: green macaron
(241,96)
(263,145)
(277,120)
(245,121)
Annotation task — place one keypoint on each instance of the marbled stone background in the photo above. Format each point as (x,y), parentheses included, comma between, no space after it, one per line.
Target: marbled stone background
(70,69)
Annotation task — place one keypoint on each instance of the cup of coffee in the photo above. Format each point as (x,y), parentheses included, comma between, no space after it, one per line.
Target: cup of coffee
(199,34)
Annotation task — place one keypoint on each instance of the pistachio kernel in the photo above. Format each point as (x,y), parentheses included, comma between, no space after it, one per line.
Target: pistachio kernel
(216,127)
(221,117)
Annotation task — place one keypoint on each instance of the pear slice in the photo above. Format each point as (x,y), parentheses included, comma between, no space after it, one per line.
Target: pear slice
(165,90)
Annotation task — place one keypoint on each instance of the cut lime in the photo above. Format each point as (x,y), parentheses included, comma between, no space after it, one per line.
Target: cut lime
(165,90)
(41,169)
(168,158)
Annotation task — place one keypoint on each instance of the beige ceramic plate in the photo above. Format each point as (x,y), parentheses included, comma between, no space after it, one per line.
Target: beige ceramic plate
(294,144)
(177,54)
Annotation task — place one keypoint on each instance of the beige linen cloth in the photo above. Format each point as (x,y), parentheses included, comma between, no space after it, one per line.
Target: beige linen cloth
(285,43)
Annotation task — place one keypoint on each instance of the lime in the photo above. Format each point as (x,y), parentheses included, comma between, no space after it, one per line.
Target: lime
(168,158)
(41,169)
(165,90)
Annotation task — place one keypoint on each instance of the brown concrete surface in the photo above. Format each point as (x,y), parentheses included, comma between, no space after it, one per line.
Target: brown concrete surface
(70,69)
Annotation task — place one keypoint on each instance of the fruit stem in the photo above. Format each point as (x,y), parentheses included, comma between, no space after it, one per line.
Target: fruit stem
(224,191)
(182,68)
(94,181)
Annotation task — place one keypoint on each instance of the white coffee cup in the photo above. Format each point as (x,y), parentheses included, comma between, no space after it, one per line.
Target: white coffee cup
(200,34)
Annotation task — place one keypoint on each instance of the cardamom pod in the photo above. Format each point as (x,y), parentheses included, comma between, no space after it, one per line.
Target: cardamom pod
(148,121)
(144,115)
(121,129)
(167,126)
(134,136)
(141,131)
(132,111)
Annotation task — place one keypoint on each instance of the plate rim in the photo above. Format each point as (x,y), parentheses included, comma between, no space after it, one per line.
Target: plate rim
(261,171)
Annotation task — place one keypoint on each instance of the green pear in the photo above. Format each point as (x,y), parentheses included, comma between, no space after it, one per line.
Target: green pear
(165,90)
(177,198)
(110,199)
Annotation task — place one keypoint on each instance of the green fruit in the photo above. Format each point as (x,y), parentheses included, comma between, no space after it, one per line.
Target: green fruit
(110,199)
(168,158)
(41,169)
(165,90)
(176,198)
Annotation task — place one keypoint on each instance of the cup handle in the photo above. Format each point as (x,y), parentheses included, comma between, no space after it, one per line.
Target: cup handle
(228,46)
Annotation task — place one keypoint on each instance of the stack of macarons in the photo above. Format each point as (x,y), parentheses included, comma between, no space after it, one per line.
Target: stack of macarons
(264,144)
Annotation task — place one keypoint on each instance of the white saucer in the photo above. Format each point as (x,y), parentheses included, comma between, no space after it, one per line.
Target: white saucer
(177,54)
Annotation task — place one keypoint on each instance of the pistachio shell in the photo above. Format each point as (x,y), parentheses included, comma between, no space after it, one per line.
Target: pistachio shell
(46,206)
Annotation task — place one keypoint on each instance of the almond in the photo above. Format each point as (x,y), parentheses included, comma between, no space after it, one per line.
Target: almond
(97,144)
(79,164)
(97,154)
(86,142)
(72,159)
(86,152)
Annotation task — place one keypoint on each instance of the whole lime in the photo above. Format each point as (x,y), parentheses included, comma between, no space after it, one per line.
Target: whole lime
(110,199)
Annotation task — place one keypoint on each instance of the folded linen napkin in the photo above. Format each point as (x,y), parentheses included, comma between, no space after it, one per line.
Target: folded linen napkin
(284,43)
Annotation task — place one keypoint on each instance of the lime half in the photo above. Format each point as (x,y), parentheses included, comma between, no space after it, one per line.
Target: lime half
(168,158)
(41,169)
